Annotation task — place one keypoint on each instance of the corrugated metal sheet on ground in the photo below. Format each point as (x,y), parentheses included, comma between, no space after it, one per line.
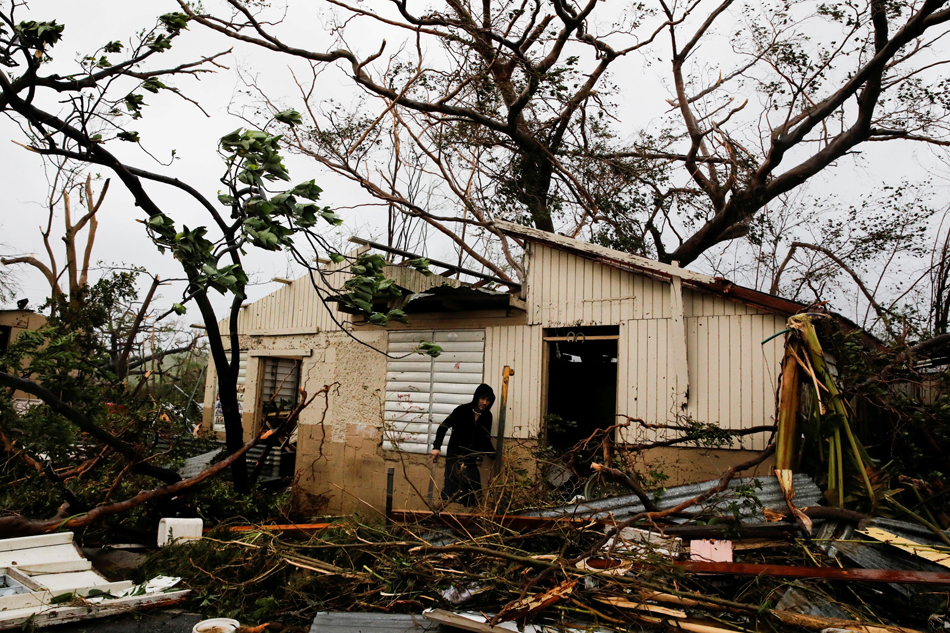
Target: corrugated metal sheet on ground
(871,554)
(374,623)
(769,495)
(193,466)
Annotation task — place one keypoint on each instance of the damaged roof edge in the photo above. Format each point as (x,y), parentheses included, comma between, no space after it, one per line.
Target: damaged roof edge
(693,280)
(451,268)
(655,269)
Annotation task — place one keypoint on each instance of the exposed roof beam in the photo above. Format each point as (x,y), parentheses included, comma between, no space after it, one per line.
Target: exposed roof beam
(449,267)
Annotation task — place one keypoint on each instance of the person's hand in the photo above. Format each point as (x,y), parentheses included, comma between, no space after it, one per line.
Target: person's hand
(435,455)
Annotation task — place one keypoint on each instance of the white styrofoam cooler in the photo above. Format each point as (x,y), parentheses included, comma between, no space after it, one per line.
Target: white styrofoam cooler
(171,530)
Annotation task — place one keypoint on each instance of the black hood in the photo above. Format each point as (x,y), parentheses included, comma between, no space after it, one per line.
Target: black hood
(484,391)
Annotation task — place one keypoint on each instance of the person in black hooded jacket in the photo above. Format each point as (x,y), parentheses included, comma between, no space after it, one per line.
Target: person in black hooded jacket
(471,438)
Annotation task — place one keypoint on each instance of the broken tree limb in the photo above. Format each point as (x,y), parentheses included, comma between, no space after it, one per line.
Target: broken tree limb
(862,461)
(629,482)
(16,525)
(789,400)
(784,477)
(88,426)
(719,487)
(817,623)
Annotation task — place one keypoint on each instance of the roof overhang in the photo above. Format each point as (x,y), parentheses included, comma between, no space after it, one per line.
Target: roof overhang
(654,269)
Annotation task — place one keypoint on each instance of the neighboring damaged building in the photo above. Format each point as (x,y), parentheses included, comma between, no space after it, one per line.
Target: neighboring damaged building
(12,324)
(593,335)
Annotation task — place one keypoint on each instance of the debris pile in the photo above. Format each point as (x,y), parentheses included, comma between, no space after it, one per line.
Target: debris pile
(591,570)
(46,580)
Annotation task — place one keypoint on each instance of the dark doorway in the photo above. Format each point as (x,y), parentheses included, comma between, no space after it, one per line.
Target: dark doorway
(582,383)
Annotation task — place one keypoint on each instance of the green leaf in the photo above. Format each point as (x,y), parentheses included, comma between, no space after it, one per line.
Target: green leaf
(39,35)
(336,258)
(153,85)
(134,103)
(308,190)
(429,349)
(113,47)
(332,218)
(131,137)
(397,315)
(160,43)
(225,199)
(174,22)
(290,117)
(179,309)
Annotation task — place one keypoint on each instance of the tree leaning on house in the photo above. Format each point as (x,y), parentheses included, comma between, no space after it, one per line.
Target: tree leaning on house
(521,110)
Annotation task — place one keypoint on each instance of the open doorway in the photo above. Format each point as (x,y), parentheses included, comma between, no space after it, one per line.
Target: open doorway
(582,383)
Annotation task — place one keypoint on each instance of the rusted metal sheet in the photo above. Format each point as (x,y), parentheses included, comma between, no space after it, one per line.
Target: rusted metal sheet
(824,573)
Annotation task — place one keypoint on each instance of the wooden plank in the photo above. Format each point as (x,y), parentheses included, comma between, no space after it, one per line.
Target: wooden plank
(55,567)
(43,540)
(712,369)
(59,614)
(678,345)
(763,398)
(928,552)
(725,380)
(533,377)
(46,554)
(825,573)
(289,353)
(648,373)
(31,600)
(736,377)
(597,294)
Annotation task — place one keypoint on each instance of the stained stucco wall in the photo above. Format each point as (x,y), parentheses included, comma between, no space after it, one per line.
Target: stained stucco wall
(20,321)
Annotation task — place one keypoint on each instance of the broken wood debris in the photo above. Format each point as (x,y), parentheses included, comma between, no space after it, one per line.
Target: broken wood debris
(502,573)
(48,581)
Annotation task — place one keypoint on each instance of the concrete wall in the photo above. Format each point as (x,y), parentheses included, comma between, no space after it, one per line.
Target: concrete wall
(20,321)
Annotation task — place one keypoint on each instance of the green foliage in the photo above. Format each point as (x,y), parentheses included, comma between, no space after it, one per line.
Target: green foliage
(368,286)
(39,36)
(131,137)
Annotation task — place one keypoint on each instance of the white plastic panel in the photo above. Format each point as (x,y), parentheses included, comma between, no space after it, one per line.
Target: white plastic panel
(421,391)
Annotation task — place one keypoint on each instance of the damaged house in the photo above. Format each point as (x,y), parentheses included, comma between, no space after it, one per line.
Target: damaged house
(593,337)
(13,323)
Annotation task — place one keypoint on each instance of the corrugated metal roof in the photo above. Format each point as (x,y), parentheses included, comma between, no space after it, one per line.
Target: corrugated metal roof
(767,492)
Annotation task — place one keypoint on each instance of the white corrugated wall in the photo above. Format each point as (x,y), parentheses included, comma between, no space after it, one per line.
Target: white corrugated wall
(521,348)
(296,308)
(732,377)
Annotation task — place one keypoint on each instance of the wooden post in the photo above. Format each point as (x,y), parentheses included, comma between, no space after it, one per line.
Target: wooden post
(390,476)
(506,373)
(677,343)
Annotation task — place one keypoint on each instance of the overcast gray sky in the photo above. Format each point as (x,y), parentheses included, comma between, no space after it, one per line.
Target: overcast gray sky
(169,123)
(172,123)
